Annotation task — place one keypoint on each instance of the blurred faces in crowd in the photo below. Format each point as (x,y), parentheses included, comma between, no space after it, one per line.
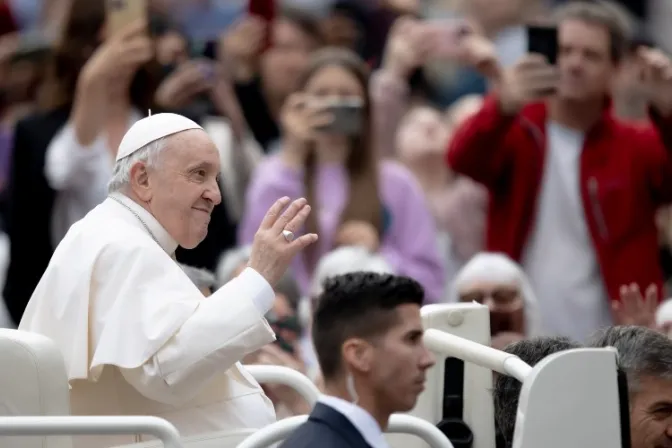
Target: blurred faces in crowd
(292,42)
(423,135)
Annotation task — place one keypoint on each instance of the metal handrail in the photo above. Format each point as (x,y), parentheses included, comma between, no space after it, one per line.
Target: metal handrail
(287,377)
(399,423)
(91,425)
(479,354)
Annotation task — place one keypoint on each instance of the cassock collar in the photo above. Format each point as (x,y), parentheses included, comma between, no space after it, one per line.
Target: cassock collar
(166,241)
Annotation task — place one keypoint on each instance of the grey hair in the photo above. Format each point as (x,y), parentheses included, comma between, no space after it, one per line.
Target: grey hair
(230,261)
(641,352)
(345,260)
(506,389)
(148,154)
(202,278)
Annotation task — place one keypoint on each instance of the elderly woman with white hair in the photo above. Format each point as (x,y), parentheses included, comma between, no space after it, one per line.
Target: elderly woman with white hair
(498,282)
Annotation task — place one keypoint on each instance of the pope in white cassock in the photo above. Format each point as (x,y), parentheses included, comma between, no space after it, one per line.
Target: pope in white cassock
(137,335)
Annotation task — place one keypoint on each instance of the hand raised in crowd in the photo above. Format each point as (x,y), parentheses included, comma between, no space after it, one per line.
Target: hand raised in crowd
(271,252)
(358,233)
(479,52)
(531,79)
(121,54)
(118,58)
(182,85)
(656,77)
(301,119)
(406,49)
(241,45)
(633,309)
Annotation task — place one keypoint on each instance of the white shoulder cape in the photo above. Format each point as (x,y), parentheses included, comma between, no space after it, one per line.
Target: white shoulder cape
(108,274)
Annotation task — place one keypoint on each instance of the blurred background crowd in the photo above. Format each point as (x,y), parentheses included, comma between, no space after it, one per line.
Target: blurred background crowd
(385,200)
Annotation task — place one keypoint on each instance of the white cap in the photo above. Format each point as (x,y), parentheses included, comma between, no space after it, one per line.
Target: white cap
(152,128)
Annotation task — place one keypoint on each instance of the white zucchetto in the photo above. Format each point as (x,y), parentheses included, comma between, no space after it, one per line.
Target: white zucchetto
(152,128)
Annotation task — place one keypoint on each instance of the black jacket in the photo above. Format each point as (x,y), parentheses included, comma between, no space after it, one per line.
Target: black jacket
(326,428)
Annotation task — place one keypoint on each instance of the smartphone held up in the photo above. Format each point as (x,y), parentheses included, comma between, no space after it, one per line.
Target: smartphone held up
(122,13)
(543,40)
(347,115)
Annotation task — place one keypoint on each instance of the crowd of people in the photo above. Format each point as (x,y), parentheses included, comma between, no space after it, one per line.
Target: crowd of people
(468,170)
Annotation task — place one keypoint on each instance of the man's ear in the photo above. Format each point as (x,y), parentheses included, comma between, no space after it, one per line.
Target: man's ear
(139,180)
(358,354)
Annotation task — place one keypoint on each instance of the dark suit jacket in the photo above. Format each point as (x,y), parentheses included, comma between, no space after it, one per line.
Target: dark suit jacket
(326,428)
(30,206)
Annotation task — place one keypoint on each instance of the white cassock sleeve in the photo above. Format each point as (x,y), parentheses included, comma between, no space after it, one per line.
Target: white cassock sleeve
(150,320)
(207,343)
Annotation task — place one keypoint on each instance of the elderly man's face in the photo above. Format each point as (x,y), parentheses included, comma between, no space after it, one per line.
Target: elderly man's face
(651,413)
(183,190)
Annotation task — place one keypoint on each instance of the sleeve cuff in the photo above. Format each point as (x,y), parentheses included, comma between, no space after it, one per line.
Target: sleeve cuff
(258,288)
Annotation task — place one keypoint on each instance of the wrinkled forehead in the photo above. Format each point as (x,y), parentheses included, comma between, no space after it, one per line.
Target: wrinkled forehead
(584,34)
(487,286)
(192,147)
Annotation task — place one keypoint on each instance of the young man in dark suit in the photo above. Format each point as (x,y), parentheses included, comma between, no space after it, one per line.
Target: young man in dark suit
(367,332)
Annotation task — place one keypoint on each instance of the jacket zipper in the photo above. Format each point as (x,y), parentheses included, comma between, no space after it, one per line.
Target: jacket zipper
(597,210)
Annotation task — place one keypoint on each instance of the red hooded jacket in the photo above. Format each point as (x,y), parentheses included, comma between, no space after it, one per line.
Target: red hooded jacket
(626,174)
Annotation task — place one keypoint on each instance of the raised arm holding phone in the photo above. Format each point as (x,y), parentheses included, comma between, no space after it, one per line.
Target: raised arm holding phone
(109,72)
(573,190)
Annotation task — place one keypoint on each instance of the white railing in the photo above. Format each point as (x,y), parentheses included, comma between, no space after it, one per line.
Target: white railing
(287,377)
(89,425)
(479,354)
(399,423)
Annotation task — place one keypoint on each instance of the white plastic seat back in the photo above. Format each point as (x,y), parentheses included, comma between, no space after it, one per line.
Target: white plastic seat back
(221,439)
(572,399)
(33,382)
(470,321)
(287,377)
(399,423)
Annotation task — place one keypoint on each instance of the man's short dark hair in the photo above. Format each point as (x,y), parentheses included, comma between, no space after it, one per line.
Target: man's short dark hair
(642,352)
(358,305)
(507,389)
(606,14)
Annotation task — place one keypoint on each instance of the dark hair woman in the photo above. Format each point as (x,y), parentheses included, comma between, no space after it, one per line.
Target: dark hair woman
(328,156)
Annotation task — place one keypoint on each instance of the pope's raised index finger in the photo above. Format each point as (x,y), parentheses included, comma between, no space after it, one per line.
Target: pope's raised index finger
(274,212)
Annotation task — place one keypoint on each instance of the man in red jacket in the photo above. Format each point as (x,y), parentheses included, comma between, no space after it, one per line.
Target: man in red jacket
(573,191)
